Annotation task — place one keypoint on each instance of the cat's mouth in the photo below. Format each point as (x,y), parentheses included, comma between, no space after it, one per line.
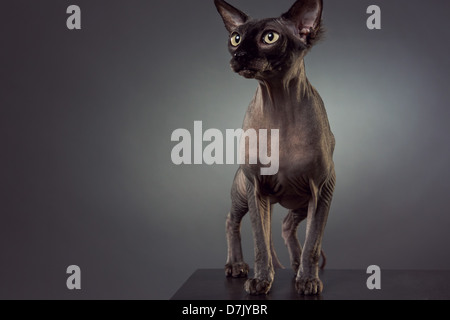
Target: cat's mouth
(249,70)
(247,73)
(244,71)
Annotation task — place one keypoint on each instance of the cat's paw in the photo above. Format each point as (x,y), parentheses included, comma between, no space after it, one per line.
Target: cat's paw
(236,270)
(257,286)
(308,285)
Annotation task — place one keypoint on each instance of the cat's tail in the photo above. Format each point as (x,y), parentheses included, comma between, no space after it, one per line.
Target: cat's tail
(276,263)
(324,260)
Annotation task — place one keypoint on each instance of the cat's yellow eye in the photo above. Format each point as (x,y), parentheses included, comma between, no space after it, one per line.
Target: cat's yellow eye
(235,39)
(271,37)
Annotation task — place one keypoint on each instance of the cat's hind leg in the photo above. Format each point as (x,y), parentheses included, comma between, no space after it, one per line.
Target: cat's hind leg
(235,266)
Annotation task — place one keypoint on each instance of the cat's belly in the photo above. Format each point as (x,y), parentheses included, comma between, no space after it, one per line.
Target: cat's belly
(293,202)
(302,158)
(287,194)
(290,191)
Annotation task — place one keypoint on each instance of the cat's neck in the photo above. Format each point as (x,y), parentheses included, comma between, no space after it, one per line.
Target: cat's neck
(290,89)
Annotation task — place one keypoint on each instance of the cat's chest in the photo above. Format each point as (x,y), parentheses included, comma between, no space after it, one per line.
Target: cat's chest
(293,149)
(295,136)
(298,141)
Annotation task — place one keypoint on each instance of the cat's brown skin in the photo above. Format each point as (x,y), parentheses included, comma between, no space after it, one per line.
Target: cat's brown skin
(284,100)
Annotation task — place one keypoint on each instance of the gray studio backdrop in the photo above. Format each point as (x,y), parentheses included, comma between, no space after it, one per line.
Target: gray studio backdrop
(86,118)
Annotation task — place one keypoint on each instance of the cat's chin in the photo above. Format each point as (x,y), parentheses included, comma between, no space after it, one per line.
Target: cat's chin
(248,74)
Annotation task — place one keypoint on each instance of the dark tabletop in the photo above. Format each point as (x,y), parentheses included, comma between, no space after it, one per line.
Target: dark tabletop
(211,284)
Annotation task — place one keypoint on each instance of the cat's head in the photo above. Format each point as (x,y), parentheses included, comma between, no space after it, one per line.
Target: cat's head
(268,48)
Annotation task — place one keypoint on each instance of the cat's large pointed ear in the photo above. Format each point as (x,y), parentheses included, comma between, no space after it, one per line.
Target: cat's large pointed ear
(306,15)
(231,16)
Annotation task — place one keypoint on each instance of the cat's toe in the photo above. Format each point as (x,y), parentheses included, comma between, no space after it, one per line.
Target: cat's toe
(308,286)
(257,286)
(236,270)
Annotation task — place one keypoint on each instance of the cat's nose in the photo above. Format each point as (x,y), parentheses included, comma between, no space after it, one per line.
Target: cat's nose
(240,54)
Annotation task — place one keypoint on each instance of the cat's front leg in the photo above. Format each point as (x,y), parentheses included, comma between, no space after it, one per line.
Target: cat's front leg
(260,215)
(236,267)
(307,280)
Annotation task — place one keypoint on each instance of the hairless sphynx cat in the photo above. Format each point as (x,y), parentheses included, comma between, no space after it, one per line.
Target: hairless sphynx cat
(272,51)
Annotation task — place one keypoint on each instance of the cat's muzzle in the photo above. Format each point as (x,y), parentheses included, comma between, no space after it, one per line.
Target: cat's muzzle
(245,69)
